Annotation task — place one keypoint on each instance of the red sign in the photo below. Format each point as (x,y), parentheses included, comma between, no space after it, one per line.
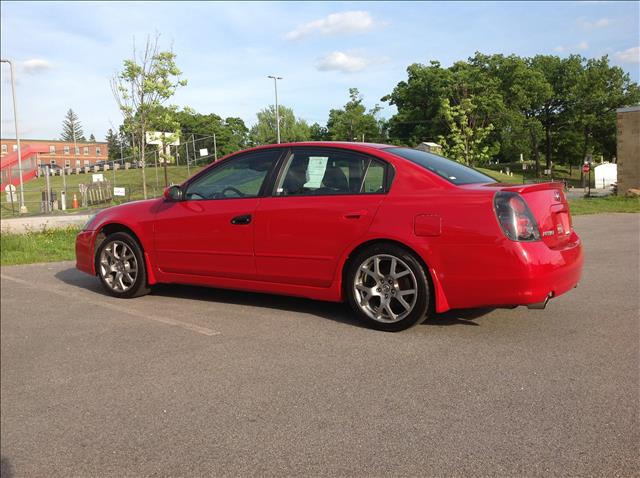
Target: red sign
(585,168)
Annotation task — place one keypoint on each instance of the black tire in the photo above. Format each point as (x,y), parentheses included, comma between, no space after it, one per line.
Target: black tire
(137,287)
(419,276)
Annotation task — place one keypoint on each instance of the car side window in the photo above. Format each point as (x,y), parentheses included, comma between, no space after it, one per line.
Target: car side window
(237,178)
(327,172)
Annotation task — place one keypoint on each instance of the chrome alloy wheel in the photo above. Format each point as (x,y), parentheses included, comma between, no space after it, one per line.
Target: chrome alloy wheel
(118,266)
(385,288)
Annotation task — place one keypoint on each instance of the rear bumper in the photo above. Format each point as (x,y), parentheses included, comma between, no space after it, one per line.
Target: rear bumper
(524,274)
(84,252)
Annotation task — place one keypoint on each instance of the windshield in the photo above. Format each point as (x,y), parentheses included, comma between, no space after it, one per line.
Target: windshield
(445,168)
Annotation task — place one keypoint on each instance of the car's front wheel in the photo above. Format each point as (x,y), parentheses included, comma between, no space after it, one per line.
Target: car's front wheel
(120,266)
(387,287)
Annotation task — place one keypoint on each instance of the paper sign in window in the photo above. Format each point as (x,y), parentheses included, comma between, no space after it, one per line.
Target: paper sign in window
(315,171)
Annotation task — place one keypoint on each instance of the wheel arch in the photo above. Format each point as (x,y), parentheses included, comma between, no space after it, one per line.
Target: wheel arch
(439,302)
(107,229)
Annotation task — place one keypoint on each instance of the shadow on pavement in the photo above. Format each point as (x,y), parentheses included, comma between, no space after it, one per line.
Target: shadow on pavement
(328,310)
(75,278)
(458,317)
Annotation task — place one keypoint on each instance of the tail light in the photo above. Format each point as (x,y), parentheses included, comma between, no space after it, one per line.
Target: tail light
(515,218)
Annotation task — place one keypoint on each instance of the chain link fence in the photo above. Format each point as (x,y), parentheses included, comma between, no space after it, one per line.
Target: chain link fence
(58,190)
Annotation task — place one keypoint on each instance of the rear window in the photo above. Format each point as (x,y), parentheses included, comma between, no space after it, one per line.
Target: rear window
(452,171)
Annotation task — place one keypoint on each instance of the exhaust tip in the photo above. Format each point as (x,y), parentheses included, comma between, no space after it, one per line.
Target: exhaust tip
(540,305)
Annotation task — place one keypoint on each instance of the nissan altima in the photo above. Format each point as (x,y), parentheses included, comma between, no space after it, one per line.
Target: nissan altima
(399,234)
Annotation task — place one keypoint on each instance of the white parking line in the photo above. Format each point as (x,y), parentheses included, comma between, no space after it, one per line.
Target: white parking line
(124,310)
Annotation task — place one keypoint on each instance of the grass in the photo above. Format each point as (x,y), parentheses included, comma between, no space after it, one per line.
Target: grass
(47,246)
(604,205)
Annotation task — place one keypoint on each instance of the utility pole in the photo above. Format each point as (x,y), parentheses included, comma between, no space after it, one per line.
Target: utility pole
(23,208)
(186,154)
(164,152)
(215,148)
(193,144)
(275,85)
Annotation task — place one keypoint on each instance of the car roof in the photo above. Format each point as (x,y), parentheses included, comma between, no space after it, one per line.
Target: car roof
(326,144)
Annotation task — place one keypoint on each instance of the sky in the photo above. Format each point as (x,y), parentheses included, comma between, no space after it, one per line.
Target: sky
(66,52)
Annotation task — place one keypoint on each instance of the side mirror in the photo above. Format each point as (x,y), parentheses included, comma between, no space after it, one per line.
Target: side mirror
(173,194)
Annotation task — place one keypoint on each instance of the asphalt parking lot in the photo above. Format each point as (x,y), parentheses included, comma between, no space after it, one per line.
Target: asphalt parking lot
(202,382)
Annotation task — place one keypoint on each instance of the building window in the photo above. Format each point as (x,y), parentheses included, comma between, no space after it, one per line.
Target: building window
(52,162)
(66,150)
(77,149)
(52,149)
(78,163)
(67,163)
(4,148)
(86,150)
(14,148)
(97,151)
(87,163)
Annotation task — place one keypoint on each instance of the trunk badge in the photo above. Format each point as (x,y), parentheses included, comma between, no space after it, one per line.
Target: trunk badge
(556,195)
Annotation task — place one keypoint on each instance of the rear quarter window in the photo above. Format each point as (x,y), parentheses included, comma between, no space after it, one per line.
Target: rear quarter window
(452,171)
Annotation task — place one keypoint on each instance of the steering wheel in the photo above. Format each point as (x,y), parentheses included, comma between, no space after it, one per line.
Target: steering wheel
(233,190)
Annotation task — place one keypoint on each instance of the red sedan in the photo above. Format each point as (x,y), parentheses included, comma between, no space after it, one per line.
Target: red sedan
(398,233)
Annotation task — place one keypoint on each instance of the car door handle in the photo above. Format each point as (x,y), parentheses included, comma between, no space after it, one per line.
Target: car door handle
(240,220)
(354,215)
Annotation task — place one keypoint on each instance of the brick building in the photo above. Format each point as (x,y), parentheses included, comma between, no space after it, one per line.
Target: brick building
(61,153)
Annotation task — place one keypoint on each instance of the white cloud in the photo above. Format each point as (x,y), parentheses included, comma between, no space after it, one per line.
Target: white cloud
(344,62)
(595,24)
(35,66)
(583,45)
(335,24)
(630,55)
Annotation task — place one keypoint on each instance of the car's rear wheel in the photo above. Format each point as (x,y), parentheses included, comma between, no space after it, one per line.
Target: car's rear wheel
(120,266)
(387,287)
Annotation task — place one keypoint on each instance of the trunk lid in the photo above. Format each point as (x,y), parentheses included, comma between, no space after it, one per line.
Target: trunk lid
(550,209)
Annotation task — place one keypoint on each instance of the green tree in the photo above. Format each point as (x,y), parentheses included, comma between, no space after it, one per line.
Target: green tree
(419,103)
(354,122)
(318,132)
(212,132)
(147,81)
(291,128)
(554,113)
(163,120)
(71,127)
(92,138)
(466,141)
(601,90)
(113,145)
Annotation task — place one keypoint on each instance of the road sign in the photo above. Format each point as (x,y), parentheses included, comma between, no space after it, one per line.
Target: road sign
(585,168)
(119,192)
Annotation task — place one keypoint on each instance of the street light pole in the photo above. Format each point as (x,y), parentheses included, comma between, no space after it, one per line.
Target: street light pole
(23,208)
(275,85)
